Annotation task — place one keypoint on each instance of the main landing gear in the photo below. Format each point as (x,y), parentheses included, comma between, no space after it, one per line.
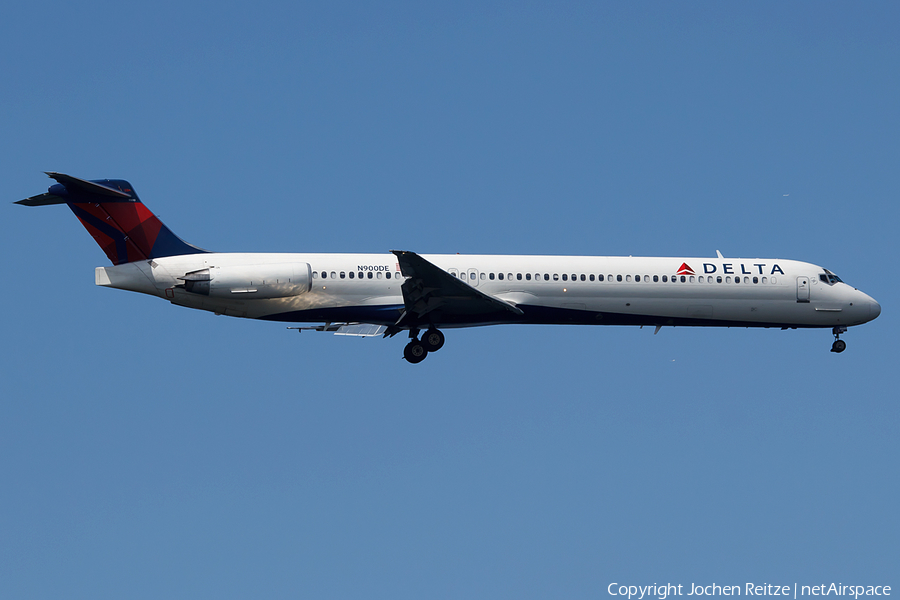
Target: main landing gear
(839,345)
(416,350)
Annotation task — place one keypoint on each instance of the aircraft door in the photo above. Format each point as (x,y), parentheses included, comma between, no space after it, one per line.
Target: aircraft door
(803,289)
(472,277)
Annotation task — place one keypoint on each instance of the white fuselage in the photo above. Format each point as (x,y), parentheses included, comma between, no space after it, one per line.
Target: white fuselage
(548,289)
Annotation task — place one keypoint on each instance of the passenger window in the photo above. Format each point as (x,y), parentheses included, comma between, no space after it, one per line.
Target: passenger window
(388,274)
(343,275)
(519,276)
(546,276)
(683,279)
(556,277)
(656,279)
(565,277)
(618,278)
(665,279)
(764,280)
(528,276)
(500,276)
(600,277)
(592,276)
(728,279)
(315,274)
(491,276)
(378,275)
(582,276)
(360,275)
(351,275)
(692,279)
(370,275)
(472,276)
(718,279)
(333,275)
(756,280)
(482,276)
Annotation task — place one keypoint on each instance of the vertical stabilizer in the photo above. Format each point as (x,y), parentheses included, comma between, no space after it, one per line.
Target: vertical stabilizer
(115,217)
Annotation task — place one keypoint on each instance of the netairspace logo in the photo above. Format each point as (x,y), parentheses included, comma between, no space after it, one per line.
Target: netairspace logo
(663,591)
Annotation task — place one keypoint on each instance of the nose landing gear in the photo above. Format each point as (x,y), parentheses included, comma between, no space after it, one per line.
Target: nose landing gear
(416,351)
(839,345)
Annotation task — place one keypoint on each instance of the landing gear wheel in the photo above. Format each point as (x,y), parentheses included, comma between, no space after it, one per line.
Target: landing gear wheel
(433,340)
(839,345)
(415,352)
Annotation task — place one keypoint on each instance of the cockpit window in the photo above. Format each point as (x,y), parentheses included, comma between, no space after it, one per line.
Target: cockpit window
(829,278)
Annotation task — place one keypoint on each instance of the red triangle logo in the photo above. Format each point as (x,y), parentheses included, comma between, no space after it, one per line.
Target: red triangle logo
(684,269)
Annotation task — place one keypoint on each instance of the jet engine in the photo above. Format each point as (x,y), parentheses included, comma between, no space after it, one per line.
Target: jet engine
(279,280)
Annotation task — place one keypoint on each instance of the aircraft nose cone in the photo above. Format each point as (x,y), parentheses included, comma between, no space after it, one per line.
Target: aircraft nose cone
(874,309)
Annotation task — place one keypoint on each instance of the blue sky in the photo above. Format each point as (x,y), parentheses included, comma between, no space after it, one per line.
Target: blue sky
(150,451)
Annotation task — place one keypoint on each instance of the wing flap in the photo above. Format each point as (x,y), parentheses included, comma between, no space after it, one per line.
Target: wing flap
(348,329)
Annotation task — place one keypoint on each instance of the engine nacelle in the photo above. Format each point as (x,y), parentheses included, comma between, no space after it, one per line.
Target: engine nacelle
(279,280)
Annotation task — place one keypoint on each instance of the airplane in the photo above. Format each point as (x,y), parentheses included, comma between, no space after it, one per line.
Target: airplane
(384,294)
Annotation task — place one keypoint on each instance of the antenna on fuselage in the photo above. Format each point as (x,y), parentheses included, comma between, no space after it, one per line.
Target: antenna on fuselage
(719,254)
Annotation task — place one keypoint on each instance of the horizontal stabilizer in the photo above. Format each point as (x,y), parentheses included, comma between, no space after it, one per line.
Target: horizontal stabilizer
(74,184)
(42,200)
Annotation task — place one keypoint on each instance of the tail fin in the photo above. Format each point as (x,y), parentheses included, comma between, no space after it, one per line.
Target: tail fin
(116,218)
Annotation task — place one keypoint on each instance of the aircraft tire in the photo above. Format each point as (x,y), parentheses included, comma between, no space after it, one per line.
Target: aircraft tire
(415,352)
(839,346)
(433,340)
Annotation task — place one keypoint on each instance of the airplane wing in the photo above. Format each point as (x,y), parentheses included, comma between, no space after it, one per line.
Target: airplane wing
(429,290)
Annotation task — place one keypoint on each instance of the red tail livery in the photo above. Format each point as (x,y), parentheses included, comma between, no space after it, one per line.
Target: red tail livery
(113,214)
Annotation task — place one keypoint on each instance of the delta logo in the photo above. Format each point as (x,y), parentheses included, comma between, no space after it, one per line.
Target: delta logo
(684,269)
(729,269)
